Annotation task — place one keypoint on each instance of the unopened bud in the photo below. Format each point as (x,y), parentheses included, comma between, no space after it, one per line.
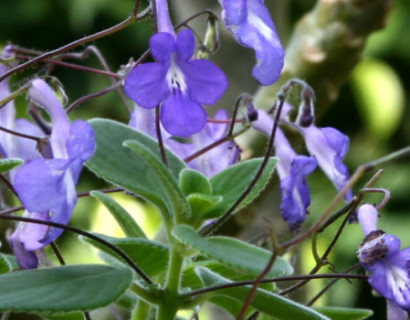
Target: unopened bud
(306,109)
(211,40)
(245,100)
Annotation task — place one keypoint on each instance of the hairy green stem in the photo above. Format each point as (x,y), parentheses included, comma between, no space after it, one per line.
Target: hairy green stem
(141,310)
(170,303)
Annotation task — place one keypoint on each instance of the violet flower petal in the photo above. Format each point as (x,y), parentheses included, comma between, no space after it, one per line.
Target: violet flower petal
(185,44)
(292,170)
(380,254)
(329,146)
(180,84)
(218,158)
(394,312)
(46,187)
(251,26)
(206,82)
(162,46)
(181,116)
(146,84)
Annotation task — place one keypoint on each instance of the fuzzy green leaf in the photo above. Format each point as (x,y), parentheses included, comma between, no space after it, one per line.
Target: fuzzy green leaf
(5,265)
(192,181)
(264,301)
(337,313)
(124,219)
(126,168)
(232,182)
(63,289)
(148,255)
(232,252)
(200,203)
(174,195)
(68,316)
(7,164)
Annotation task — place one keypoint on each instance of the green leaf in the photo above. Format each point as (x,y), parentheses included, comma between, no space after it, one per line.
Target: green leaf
(148,255)
(264,301)
(5,265)
(7,164)
(124,219)
(123,167)
(10,260)
(232,182)
(337,313)
(63,289)
(232,306)
(201,203)
(68,316)
(175,196)
(232,252)
(192,181)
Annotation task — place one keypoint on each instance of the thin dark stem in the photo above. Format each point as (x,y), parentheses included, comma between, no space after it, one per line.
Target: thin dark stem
(350,207)
(134,12)
(57,253)
(386,197)
(79,101)
(315,226)
(352,203)
(210,120)
(85,234)
(261,275)
(235,112)
(154,15)
(87,315)
(211,228)
(7,183)
(19,134)
(106,67)
(253,315)
(74,66)
(323,258)
(159,137)
(278,279)
(214,144)
(125,23)
(62,262)
(12,210)
(331,283)
(184,23)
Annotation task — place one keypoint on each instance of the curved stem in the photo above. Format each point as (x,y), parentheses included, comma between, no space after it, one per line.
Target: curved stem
(85,234)
(211,228)
(130,20)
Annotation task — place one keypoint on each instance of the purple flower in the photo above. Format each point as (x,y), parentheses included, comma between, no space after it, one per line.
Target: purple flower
(181,84)
(209,163)
(292,170)
(251,25)
(329,146)
(46,187)
(380,254)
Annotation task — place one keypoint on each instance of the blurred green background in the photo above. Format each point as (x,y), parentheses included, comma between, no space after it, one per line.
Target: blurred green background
(372,108)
